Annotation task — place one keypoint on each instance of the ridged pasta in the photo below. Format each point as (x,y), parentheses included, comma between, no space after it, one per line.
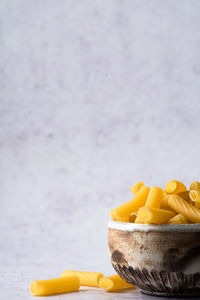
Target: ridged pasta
(178,219)
(181,206)
(195,197)
(148,215)
(55,286)
(122,212)
(86,278)
(136,187)
(175,187)
(114,283)
(155,197)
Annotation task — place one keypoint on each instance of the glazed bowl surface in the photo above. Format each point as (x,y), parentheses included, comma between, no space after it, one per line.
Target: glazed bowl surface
(161,260)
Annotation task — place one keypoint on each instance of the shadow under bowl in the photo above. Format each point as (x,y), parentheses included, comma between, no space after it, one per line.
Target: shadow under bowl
(161,260)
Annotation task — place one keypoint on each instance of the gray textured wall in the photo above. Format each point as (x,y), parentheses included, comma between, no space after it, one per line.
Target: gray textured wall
(94,96)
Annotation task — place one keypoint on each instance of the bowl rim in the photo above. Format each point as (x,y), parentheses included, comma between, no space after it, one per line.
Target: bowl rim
(132,227)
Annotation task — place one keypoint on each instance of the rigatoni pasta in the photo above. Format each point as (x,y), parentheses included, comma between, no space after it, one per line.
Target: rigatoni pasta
(55,286)
(175,187)
(174,205)
(178,219)
(195,197)
(114,283)
(136,187)
(181,206)
(148,215)
(122,212)
(86,278)
(155,197)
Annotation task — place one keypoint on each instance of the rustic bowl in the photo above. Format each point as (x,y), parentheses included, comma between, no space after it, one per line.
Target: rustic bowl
(161,260)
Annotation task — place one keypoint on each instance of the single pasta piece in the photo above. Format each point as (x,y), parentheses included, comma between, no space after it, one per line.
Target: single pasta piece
(195,197)
(181,206)
(86,278)
(122,212)
(132,217)
(195,185)
(175,187)
(136,187)
(184,195)
(178,219)
(155,197)
(114,283)
(55,286)
(148,215)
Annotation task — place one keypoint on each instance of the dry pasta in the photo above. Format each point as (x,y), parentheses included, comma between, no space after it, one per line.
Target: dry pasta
(181,206)
(195,197)
(148,215)
(136,187)
(55,286)
(195,185)
(178,219)
(114,283)
(175,187)
(155,197)
(122,212)
(86,278)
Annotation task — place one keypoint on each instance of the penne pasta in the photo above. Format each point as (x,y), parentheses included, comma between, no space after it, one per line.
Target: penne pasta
(114,283)
(86,278)
(181,206)
(122,212)
(148,215)
(155,197)
(175,187)
(178,219)
(136,187)
(55,286)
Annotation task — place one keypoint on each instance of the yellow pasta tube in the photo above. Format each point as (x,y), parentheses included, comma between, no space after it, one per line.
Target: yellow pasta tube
(114,283)
(155,197)
(195,197)
(178,219)
(175,187)
(136,187)
(148,215)
(55,286)
(86,278)
(122,212)
(181,206)
(195,185)
(132,217)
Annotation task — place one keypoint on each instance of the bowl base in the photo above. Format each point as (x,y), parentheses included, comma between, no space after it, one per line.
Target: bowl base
(172,295)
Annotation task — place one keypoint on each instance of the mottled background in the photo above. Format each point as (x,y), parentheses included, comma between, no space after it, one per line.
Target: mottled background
(94,96)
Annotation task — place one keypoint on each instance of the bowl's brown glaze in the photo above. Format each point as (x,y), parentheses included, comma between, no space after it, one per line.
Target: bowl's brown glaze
(160,260)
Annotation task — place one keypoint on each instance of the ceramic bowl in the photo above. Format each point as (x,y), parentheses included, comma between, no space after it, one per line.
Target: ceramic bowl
(161,260)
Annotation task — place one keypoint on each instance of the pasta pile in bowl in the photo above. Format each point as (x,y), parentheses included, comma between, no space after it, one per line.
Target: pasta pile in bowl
(173,205)
(154,239)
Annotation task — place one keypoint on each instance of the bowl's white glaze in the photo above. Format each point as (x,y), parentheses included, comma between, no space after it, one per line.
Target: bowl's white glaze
(131,227)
